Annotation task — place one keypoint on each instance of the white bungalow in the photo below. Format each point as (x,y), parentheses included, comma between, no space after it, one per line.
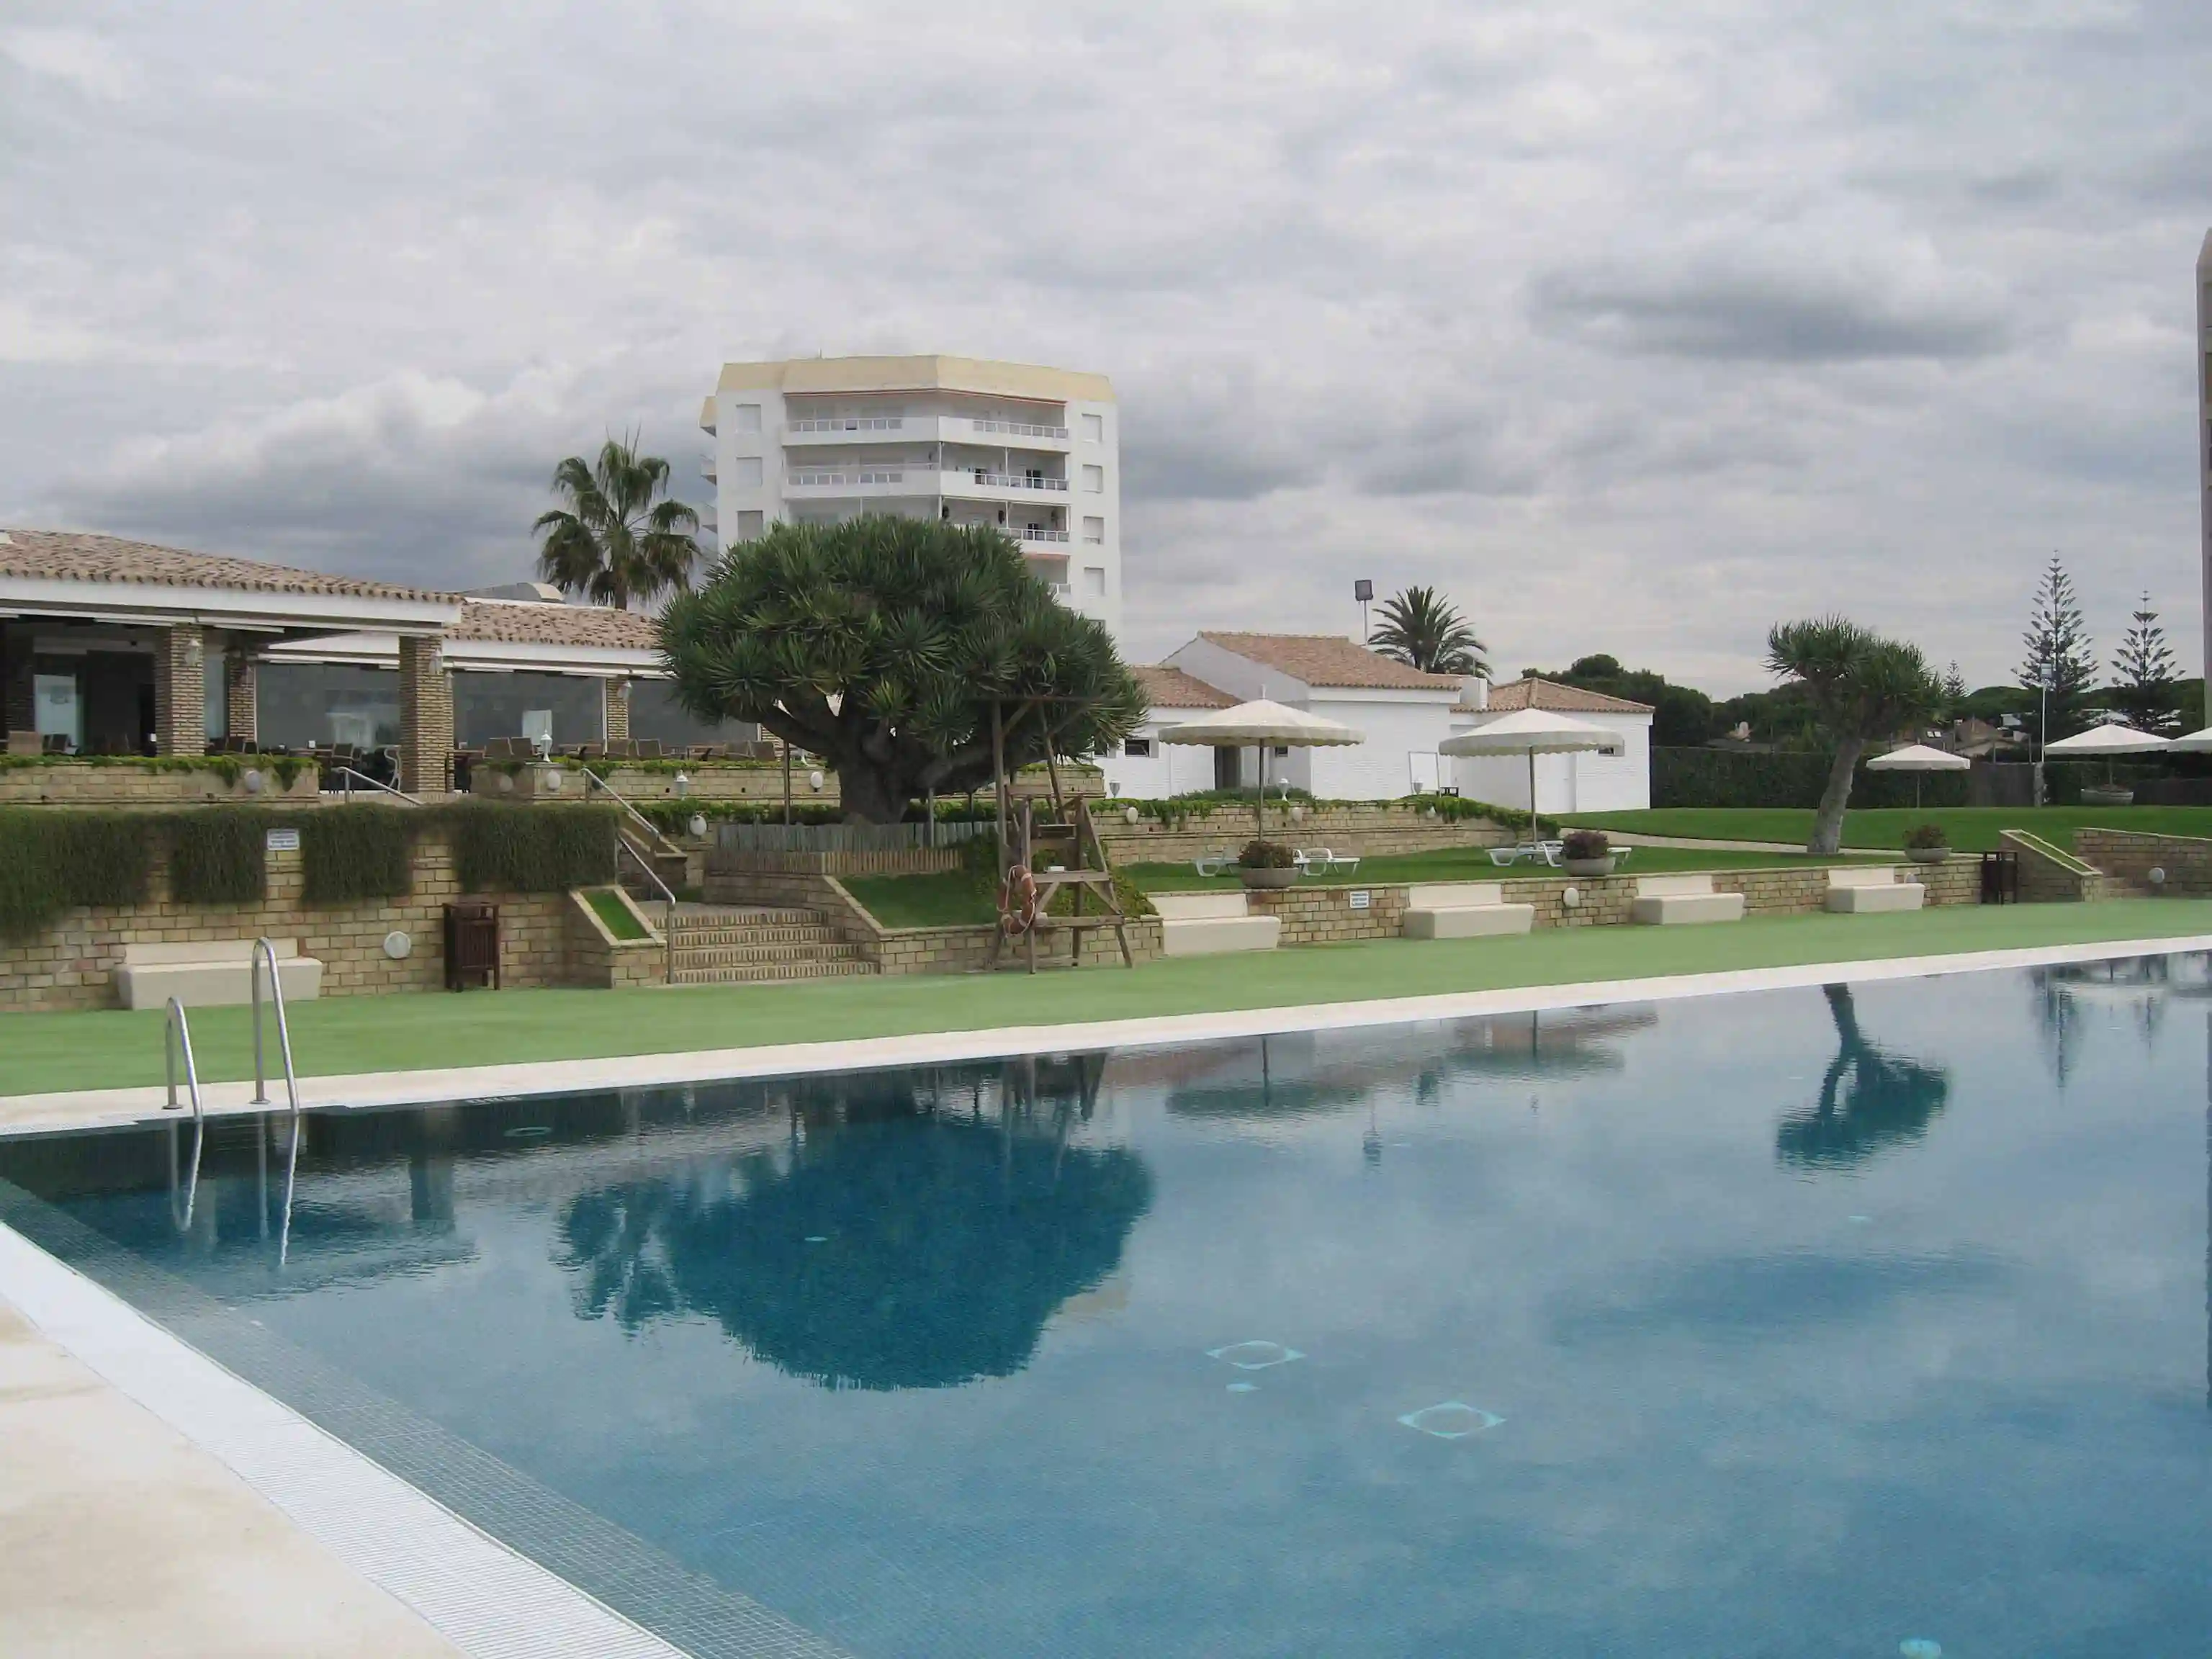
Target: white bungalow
(1566,783)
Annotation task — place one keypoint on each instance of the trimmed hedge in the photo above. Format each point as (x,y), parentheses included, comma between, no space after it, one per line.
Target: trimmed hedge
(358,852)
(219,855)
(52,861)
(533,850)
(1721,777)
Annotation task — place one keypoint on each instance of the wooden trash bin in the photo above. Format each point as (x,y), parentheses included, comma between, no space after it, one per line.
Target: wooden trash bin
(472,944)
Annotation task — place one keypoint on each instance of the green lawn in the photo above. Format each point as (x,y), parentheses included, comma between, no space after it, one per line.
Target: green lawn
(1972,829)
(620,920)
(48,1052)
(942,900)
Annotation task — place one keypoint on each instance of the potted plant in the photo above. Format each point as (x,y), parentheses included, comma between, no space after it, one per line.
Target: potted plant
(1266,864)
(1927,844)
(1586,853)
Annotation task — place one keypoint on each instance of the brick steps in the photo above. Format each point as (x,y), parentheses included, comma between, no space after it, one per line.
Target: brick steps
(752,944)
(772,972)
(712,939)
(738,955)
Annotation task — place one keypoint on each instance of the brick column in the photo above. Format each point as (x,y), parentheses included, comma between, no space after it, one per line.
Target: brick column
(241,695)
(181,691)
(425,716)
(615,700)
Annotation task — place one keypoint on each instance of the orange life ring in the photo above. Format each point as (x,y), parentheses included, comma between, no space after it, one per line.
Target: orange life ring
(1018,901)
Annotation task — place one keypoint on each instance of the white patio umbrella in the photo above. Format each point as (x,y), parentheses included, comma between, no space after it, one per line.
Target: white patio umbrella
(1534,732)
(1917,758)
(1263,725)
(2196,743)
(2108,741)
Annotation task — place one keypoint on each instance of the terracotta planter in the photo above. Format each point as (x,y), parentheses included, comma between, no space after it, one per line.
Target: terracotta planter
(1928,855)
(1268,879)
(1590,867)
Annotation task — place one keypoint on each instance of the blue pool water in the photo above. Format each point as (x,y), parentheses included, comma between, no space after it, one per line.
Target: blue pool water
(1807,1323)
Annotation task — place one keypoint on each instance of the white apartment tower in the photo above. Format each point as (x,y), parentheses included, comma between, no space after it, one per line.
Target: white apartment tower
(2204,367)
(1036,452)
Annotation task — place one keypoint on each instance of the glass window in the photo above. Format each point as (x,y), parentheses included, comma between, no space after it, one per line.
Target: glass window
(303,703)
(60,710)
(1094,480)
(1094,428)
(1094,530)
(487,706)
(1094,581)
(744,417)
(655,714)
(745,471)
(217,719)
(751,526)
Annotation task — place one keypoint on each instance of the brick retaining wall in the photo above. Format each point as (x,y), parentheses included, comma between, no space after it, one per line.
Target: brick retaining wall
(70,962)
(83,784)
(2127,857)
(1369,829)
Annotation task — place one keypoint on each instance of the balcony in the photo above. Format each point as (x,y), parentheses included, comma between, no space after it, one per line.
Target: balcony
(1018,429)
(850,478)
(1058,536)
(850,423)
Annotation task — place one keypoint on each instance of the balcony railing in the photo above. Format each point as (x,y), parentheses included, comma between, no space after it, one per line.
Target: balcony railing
(815,479)
(851,424)
(1019,429)
(1017,481)
(1041,535)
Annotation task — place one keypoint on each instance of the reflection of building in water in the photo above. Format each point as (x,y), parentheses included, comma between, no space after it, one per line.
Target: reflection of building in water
(1868,1098)
(1304,1073)
(2073,999)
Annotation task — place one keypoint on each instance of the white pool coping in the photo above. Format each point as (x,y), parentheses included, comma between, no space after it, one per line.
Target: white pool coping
(486,1600)
(116,1108)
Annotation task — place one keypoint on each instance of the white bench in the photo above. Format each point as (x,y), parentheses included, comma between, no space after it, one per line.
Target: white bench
(1463,909)
(1860,892)
(1669,900)
(1209,924)
(209,972)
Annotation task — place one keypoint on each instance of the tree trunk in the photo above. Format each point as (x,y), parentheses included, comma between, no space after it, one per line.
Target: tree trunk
(870,795)
(1828,821)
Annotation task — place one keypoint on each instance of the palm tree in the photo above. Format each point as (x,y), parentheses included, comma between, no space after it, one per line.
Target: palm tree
(1424,628)
(613,543)
(1861,686)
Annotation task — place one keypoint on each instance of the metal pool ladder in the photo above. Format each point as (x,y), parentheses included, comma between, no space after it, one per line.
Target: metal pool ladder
(177,1032)
(265,949)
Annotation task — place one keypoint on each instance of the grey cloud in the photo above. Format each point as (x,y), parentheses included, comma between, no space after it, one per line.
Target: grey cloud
(1732,314)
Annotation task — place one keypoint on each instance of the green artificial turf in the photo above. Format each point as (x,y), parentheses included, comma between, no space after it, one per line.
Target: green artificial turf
(41,1052)
(1970,828)
(620,920)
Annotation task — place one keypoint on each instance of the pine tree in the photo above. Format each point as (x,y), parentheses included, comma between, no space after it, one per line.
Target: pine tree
(2059,659)
(1954,687)
(2143,674)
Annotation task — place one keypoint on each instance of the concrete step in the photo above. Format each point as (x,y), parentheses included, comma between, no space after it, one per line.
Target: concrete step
(741,955)
(771,972)
(715,939)
(741,915)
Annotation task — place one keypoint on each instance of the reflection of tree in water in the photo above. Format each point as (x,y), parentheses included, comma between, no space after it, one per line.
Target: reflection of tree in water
(946,1239)
(1868,1099)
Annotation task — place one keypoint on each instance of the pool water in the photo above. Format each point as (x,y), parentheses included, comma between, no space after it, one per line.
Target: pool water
(1802,1323)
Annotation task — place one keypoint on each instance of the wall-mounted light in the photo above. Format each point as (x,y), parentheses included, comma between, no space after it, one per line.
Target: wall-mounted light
(682,784)
(698,826)
(814,781)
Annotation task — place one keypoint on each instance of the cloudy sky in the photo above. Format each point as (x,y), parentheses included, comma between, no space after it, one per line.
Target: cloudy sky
(1635,327)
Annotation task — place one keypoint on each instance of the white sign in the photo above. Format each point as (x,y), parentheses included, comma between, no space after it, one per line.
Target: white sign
(1359,898)
(283,841)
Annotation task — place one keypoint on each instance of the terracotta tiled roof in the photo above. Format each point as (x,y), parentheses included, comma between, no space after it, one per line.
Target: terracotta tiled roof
(71,555)
(521,623)
(1330,660)
(1167,687)
(1559,699)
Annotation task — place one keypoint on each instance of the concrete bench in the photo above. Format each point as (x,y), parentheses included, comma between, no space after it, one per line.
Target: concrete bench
(1209,924)
(1463,909)
(210,972)
(1670,900)
(1862,892)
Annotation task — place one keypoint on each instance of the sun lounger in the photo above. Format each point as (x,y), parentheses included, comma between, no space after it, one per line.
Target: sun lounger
(1210,924)
(1547,852)
(1463,909)
(1321,862)
(1669,900)
(1212,864)
(1861,892)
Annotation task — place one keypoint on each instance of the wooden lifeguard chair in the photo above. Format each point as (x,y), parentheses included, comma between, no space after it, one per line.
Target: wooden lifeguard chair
(1083,867)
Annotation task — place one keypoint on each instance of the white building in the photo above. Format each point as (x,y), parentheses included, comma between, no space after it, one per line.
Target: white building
(1034,451)
(1565,783)
(1148,769)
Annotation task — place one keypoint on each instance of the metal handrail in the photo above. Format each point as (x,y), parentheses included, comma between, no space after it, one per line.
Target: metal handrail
(177,1032)
(265,948)
(351,775)
(640,818)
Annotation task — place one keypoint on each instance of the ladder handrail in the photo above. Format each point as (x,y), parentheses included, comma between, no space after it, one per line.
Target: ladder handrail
(351,775)
(177,1032)
(265,948)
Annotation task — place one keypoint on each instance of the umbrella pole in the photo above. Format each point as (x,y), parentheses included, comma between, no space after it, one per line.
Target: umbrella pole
(1260,806)
(1534,834)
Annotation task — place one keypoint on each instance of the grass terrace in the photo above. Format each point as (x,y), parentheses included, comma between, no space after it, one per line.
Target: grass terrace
(351,1035)
(1970,828)
(957,898)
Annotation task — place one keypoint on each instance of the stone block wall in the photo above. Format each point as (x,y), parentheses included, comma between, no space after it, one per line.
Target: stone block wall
(597,958)
(968,950)
(2126,857)
(1369,829)
(86,783)
(2047,880)
(180,690)
(70,963)
(426,717)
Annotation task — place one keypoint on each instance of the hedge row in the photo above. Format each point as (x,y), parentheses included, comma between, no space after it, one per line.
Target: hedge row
(1721,777)
(54,859)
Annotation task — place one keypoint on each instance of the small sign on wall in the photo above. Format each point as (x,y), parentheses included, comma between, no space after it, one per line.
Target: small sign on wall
(283,841)
(1359,898)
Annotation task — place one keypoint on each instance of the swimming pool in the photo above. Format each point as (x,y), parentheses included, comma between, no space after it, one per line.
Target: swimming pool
(1797,1323)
